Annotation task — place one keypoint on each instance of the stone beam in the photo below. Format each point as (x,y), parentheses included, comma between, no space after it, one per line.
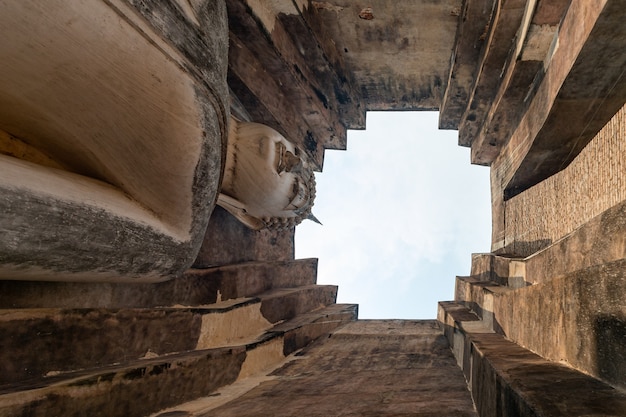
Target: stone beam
(582,89)
(524,68)
(260,92)
(351,110)
(315,76)
(275,60)
(398,52)
(474,19)
(507,17)
(131,106)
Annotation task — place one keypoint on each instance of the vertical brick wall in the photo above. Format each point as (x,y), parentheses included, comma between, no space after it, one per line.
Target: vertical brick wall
(591,184)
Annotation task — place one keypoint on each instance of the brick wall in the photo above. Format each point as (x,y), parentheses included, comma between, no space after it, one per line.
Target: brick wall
(591,184)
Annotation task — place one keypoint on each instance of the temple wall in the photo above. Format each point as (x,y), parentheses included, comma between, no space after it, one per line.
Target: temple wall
(187,309)
(576,319)
(227,241)
(367,368)
(568,235)
(591,184)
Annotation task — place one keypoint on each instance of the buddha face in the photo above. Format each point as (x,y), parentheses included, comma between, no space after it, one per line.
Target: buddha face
(267,177)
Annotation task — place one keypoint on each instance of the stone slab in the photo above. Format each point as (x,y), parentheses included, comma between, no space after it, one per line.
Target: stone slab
(508,380)
(475,16)
(131,391)
(287,303)
(504,24)
(397,64)
(578,318)
(156,382)
(547,139)
(40,342)
(63,340)
(194,287)
(367,368)
(227,241)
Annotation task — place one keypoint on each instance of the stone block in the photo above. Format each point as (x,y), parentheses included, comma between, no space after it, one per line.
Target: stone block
(286,303)
(227,241)
(63,340)
(194,287)
(132,390)
(510,380)
(368,367)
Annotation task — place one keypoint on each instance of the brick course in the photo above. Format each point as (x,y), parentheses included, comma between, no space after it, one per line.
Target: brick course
(594,182)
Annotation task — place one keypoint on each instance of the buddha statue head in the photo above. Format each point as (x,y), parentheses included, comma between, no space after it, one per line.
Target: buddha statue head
(267,181)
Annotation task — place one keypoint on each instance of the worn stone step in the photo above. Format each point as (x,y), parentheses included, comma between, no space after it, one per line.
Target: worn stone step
(528,385)
(307,327)
(64,340)
(135,389)
(478,294)
(295,335)
(452,315)
(61,340)
(194,287)
(150,384)
(525,384)
(506,271)
(254,278)
(286,303)
(455,318)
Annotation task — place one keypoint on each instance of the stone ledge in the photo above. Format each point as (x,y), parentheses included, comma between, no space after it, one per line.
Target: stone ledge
(179,377)
(119,390)
(194,287)
(61,340)
(506,379)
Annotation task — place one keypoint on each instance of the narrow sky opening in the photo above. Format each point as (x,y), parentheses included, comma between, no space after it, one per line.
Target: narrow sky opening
(402,211)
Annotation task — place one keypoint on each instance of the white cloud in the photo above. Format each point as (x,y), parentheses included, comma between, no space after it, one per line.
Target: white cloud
(400,208)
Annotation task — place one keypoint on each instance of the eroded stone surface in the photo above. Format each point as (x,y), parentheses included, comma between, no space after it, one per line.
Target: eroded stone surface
(509,380)
(578,319)
(137,126)
(227,241)
(194,287)
(377,368)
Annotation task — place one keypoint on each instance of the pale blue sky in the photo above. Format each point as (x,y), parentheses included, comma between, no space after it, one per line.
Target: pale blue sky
(403,210)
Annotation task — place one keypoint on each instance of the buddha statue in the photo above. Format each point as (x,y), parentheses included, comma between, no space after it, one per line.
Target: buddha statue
(267,181)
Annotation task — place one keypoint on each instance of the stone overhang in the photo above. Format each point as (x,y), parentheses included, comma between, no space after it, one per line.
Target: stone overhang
(310,70)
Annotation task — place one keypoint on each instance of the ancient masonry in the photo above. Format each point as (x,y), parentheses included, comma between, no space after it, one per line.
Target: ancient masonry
(156,157)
